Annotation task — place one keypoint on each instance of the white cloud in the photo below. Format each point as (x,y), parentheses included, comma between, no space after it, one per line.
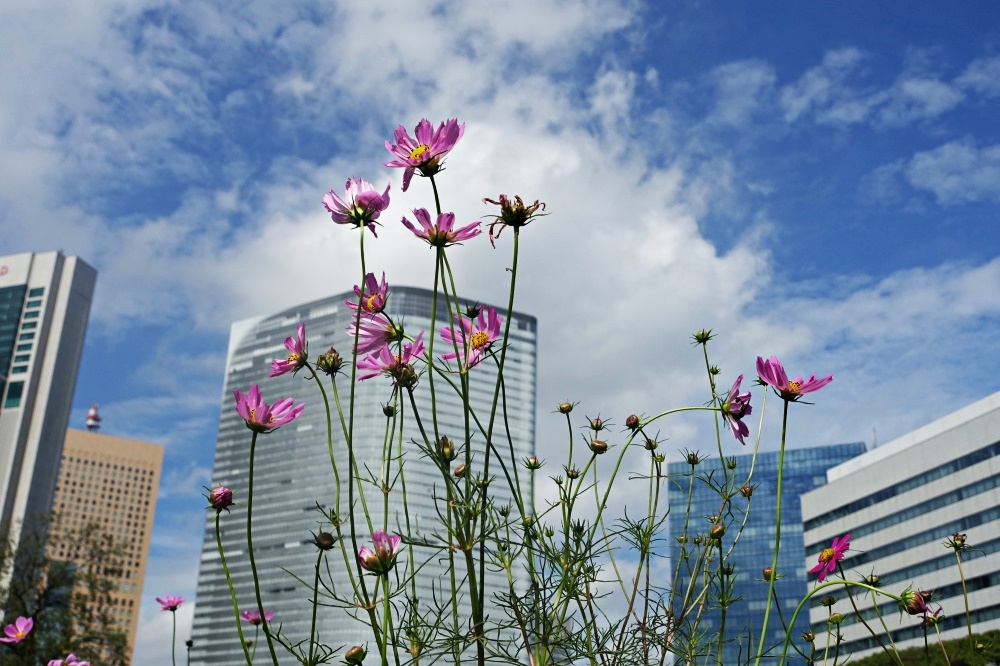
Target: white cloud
(741,88)
(982,76)
(957,172)
(823,88)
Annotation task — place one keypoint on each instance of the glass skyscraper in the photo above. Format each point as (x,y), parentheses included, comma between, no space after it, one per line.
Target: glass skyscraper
(292,470)
(804,470)
(44,306)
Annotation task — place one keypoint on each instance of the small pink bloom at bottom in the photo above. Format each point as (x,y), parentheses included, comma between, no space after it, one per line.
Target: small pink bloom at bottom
(18,630)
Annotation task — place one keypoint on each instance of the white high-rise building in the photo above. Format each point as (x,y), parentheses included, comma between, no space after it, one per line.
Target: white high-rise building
(292,470)
(44,305)
(901,503)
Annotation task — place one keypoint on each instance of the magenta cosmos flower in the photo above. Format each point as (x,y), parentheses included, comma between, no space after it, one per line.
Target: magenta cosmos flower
(254,618)
(169,603)
(260,416)
(374,332)
(361,205)
(773,374)
(382,558)
(297,354)
(18,630)
(373,297)
(830,556)
(70,660)
(425,152)
(735,407)
(386,361)
(443,232)
(475,336)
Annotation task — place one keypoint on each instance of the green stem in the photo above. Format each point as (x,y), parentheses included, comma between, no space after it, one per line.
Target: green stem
(965,598)
(173,642)
(253,564)
(232,591)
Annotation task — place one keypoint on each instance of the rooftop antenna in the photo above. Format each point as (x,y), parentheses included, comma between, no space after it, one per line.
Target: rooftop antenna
(874,437)
(93,419)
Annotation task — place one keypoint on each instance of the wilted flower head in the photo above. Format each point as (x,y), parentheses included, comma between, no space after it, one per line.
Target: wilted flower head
(513,213)
(957,542)
(426,151)
(324,541)
(734,408)
(442,233)
(261,417)
(17,631)
(930,619)
(382,558)
(220,498)
(373,297)
(361,205)
(254,617)
(475,337)
(297,354)
(169,603)
(830,556)
(330,361)
(773,374)
(398,366)
(70,660)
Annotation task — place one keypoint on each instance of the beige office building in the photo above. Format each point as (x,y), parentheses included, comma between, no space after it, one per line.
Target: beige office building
(111,481)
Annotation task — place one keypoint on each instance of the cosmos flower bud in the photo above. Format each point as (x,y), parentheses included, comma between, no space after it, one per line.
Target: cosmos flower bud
(718,531)
(746,491)
(693,458)
(828,601)
(768,572)
(459,471)
(650,444)
(446,448)
(596,424)
(532,462)
(355,655)
(809,637)
(566,408)
(221,498)
(324,541)
(632,422)
(598,446)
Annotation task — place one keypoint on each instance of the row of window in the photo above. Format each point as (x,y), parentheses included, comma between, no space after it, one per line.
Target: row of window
(15,390)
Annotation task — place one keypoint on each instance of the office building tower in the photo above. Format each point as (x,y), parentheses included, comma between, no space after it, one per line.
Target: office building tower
(44,304)
(804,469)
(901,503)
(293,471)
(110,483)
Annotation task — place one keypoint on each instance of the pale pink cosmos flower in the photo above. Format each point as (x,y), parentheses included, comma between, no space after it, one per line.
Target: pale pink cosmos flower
(169,603)
(18,630)
(830,556)
(734,408)
(372,297)
(475,336)
(254,618)
(425,152)
(773,374)
(373,332)
(261,417)
(70,660)
(382,558)
(385,361)
(298,354)
(443,232)
(361,205)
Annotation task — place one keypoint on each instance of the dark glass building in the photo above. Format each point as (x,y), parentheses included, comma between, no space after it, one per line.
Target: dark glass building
(804,470)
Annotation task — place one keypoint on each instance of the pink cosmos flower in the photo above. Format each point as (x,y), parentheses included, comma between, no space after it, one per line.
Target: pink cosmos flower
(373,297)
(260,416)
(830,556)
(735,407)
(443,233)
(380,560)
(374,332)
(70,660)
(424,153)
(773,374)
(253,616)
(386,361)
(297,354)
(361,204)
(475,336)
(170,603)
(18,630)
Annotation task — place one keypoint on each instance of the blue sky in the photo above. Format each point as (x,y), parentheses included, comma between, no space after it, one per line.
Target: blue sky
(818,181)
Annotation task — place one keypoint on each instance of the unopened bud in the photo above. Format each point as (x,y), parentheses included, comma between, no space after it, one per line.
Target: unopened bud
(446,448)
(632,422)
(324,541)
(459,471)
(355,655)
(746,491)
(717,531)
(598,446)
(768,573)
(828,601)
(566,407)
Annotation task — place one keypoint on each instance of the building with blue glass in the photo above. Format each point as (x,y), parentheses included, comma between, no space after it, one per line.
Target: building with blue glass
(804,469)
(293,472)
(44,306)
(901,502)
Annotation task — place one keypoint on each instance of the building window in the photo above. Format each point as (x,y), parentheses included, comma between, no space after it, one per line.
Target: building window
(29,325)
(33,304)
(26,336)
(22,358)
(37,291)
(14,391)
(19,369)
(26,347)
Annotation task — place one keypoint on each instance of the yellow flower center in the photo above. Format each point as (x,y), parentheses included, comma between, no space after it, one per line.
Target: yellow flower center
(479,339)
(370,302)
(794,388)
(418,152)
(253,414)
(827,555)
(293,358)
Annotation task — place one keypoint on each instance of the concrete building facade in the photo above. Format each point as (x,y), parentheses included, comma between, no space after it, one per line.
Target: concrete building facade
(111,482)
(44,306)
(901,502)
(293,471)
